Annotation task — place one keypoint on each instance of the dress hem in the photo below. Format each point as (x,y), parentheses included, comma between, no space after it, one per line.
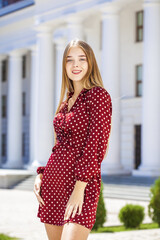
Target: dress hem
(66,221)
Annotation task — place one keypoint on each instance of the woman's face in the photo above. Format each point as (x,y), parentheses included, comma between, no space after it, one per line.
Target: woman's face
(76,64)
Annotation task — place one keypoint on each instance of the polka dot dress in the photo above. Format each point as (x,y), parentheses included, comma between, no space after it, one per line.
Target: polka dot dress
(82,138)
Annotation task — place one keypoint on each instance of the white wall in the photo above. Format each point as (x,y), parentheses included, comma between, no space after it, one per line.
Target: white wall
(131,54)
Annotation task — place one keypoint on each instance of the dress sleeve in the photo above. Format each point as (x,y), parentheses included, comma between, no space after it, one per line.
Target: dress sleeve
(88,165)
(40,170)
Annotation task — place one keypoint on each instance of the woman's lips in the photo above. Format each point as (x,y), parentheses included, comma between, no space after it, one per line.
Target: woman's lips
(76,71)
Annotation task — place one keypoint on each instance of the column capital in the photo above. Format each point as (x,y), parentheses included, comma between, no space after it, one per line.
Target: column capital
(60,42)
(59,36)
(74,20)
(33,48)
(110,10)
(3,57)
(44,28)
(17,53)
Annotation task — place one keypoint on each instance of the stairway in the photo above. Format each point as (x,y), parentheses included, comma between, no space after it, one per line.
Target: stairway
(26,184)
(127,187)
(119,187)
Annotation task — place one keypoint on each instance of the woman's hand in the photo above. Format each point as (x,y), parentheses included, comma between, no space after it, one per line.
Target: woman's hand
(37,188)
(75,203)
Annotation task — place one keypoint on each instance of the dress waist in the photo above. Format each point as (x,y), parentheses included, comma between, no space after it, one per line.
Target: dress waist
(63,141)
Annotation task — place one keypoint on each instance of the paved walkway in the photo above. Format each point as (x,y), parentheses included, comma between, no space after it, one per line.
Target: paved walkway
(18,217)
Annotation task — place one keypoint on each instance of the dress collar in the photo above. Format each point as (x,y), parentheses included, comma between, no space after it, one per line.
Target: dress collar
(82,91)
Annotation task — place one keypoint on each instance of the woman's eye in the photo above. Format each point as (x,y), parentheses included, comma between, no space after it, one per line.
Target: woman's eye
(83,59)
(69,60)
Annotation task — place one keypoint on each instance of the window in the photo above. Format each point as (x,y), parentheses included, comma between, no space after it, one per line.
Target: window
(9,2)
(4,106)
(24,103)
(4,70)
(139,80)
(137,131)
(23,144)
(24,66)
(9,6)
(3,145)
(139,26)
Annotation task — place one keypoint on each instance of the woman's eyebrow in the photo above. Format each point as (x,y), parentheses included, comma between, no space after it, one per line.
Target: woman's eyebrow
(78,56)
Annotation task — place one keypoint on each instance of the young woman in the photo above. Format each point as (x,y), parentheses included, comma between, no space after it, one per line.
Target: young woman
(68,187)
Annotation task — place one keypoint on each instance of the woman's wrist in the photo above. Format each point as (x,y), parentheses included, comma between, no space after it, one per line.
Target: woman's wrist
(40,175)
(79,185)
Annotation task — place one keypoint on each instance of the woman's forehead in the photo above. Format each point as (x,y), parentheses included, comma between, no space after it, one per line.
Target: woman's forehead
(76,51)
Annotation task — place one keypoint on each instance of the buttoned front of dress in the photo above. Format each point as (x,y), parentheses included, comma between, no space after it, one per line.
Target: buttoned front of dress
(82,139)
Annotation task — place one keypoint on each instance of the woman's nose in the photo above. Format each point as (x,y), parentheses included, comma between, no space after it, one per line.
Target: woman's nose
(75,64)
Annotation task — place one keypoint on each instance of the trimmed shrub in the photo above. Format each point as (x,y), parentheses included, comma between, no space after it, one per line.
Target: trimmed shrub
(101,211)
(131,215)
(154,205)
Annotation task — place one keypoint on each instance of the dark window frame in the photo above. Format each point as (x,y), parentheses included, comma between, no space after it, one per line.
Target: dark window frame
(137,145)
(139,27)
(24,103)
(4,106)
(23,144)
(4,146)
(138,82)
(4,70)
(24,65)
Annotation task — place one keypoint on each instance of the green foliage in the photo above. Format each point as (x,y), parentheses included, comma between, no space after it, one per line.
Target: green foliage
(101,211)
(112,229)
(5,237)
(131,215)
(154,205)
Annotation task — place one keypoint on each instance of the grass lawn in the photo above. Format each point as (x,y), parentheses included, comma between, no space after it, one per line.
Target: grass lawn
(122,228)
(5,237)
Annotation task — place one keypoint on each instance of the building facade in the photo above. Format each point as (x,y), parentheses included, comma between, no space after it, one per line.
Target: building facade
(125,36)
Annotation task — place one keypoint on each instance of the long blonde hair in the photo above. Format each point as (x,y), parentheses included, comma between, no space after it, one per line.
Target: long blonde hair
(92,77)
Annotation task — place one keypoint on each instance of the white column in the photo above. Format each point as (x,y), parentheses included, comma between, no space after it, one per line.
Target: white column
(33,130)
(111,78)
(14,112)
(60,46)
(75,28)
(151,91)
(43,118)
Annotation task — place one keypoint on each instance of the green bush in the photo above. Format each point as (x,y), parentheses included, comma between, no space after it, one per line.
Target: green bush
(131,215)
(101,211)
(5,237)
(154,205)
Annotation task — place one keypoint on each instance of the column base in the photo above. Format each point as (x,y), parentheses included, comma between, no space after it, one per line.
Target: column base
(12,166)
(146,172)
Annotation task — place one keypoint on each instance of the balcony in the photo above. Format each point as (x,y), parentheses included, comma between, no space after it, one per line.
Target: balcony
(9,6)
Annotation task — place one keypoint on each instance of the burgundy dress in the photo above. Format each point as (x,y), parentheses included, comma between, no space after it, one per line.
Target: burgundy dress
(82,139)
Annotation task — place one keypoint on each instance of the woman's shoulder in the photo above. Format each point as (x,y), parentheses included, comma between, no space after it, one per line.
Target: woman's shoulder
(98,92)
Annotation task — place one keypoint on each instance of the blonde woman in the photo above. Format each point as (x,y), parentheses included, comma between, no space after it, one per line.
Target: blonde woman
(68,187)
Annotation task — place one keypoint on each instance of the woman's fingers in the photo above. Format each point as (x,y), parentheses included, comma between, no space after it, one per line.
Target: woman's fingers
(74,211)
(70,210)
(80,209)
(37,193)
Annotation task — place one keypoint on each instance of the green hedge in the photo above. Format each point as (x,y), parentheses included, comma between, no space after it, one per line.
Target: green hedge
(101,214)
(131,215)
(154,205)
